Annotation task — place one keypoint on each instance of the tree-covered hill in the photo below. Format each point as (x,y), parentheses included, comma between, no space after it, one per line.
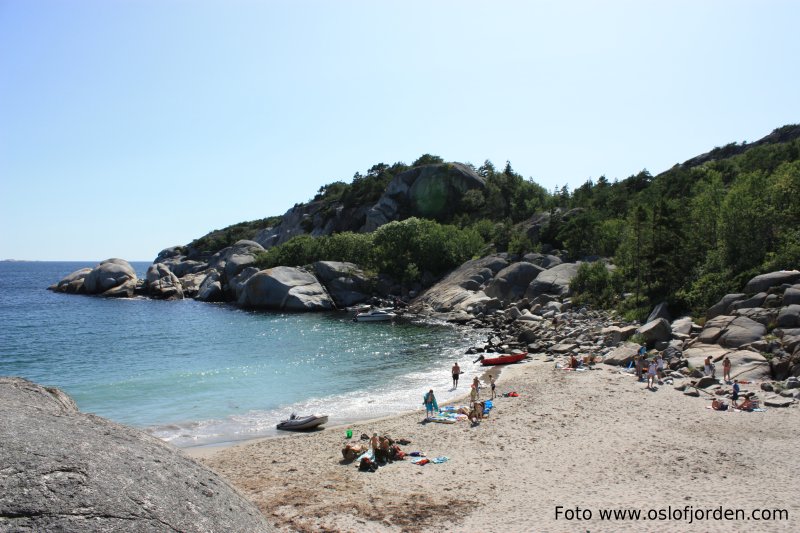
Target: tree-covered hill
(686,236)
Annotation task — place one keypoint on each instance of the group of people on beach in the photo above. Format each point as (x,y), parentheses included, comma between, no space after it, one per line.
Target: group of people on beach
(652,370)
(476,411)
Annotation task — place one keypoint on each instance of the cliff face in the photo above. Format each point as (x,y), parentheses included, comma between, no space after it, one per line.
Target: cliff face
(429,191)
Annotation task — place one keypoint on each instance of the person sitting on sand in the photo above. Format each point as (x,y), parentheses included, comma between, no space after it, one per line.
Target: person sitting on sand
(477,412)
(573,362)
(431,407)
(718,405)
(746,405)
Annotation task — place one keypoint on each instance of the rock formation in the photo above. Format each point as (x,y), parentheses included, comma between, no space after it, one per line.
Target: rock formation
(64,470)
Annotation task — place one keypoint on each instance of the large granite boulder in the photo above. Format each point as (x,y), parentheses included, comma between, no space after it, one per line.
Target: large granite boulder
(791,296)
(656,331)
(63,470)
(285,288)
(430,191)
(554,281)
(510,284)
(211,288)
(162,283)
(722,306)
(682,326)
(764,282)
(622,355)
(73,283)
(462,289)
(740,331)
(112,277)
(789,317)
(178,263)
(346,283)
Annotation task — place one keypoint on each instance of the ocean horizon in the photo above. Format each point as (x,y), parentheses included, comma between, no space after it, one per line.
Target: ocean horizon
(195,373)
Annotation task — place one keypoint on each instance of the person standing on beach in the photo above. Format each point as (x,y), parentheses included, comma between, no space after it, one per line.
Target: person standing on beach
(652,370)
(493,386)
(726,369)
(429,400)
(456,372)
(475,385)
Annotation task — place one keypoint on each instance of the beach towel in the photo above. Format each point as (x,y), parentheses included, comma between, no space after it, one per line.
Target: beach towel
(439,460)
(421,461)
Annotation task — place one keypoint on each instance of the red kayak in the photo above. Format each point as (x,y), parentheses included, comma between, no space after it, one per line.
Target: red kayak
(504,359)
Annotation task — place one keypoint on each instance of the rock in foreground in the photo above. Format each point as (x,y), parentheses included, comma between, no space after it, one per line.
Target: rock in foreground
(63,470)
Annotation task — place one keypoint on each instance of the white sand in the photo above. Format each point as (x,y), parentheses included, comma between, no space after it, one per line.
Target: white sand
(595,440)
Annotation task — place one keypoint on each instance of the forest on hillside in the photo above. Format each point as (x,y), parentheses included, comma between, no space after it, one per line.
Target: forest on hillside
(687,236)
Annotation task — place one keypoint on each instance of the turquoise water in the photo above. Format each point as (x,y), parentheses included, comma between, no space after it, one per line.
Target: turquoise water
(195,373)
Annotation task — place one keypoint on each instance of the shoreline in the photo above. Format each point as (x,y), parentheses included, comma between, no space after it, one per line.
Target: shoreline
(203,451)
(594,439)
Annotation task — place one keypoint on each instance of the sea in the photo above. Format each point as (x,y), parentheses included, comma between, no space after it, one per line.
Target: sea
(199,374)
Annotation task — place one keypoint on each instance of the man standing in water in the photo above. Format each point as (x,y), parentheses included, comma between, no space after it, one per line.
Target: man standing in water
(456,372)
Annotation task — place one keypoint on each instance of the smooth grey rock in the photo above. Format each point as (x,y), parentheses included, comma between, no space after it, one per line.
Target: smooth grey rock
(741,331)
(450,294)
(622,355)
(761,315)
(791,296)
(765,282)
(511,283)
(682,326)
(554,281)
(346,283)
(112,277)
(63,470)
(73,283)
(721,307)
(705,382)
(789,317)
(285,288)
(656,331)
(756,300)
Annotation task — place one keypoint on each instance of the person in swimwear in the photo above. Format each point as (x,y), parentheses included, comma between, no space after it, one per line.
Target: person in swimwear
(456,372)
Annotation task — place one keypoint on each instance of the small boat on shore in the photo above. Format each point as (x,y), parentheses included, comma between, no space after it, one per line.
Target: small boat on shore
(375,315)
(503,359)
(301,423)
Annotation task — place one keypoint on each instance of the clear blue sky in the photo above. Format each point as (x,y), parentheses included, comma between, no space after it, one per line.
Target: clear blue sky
(130,126)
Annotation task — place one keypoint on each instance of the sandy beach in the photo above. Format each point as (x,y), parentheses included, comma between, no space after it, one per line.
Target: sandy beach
(572,446)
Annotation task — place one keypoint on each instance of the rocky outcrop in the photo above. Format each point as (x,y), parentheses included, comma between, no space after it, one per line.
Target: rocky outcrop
(346,283)
(162,283)
(554,281)
(462,289)
(510,284)
(64,470)
(112,277)
(285,289)
(656,331)
(764,282)
(430,191)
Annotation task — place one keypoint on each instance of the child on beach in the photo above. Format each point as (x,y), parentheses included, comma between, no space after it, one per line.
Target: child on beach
(476,385)
(429,400)
(651,374)
(493,387)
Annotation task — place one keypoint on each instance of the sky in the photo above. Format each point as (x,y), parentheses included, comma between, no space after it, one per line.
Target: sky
(130,126)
